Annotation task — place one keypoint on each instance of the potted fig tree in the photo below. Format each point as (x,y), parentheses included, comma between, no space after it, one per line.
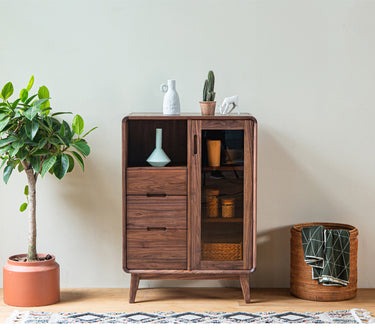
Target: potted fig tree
(34,140)
(208,104)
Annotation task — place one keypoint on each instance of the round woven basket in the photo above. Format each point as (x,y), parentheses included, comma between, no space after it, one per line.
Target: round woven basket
(301,283)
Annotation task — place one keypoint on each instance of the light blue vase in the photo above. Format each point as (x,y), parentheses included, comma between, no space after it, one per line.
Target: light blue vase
(158,157)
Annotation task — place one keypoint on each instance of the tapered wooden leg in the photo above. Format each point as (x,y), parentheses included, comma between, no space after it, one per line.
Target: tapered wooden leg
(134,282)
(245,286)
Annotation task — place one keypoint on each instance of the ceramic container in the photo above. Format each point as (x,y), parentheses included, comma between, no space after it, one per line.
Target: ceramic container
(171,101)
(158,157)
(34,283)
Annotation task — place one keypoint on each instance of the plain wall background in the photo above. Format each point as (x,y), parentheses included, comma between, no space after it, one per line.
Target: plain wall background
(304,69)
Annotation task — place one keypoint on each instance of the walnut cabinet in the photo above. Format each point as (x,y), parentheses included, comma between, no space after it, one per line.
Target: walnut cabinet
(194,218)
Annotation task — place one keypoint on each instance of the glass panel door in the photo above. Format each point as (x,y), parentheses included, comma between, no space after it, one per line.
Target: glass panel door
(222,195)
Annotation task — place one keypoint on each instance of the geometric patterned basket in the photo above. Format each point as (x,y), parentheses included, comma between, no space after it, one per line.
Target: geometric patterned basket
(222,251)
(301,283)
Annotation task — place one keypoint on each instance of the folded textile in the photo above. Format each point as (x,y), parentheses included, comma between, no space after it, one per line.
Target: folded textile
(327,251)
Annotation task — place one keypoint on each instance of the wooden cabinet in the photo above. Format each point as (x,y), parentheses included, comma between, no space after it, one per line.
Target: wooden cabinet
(196,217)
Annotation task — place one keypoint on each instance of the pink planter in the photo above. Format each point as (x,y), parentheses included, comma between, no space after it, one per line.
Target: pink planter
(29,284)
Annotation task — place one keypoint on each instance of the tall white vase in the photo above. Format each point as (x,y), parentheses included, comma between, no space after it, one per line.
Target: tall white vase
(158,157)
(171,101)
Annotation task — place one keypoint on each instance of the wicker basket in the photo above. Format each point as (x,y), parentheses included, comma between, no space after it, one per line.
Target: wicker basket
(301,283)
(222,251)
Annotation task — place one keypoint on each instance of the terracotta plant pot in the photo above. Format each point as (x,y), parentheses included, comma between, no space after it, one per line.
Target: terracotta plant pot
(208,108)
(29,284)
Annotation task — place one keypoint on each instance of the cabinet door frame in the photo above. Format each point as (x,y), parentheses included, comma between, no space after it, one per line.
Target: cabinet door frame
(195,128)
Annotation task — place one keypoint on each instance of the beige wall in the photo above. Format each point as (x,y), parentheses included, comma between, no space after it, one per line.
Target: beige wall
(305,69)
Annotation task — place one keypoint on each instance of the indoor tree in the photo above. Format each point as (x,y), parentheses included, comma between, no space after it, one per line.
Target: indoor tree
(35,141)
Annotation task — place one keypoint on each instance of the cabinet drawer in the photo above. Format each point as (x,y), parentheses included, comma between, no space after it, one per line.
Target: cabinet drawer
(149,180)
(149,212)
(156,249)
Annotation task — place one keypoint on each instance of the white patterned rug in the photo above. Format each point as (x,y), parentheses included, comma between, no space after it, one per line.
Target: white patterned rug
(337,317)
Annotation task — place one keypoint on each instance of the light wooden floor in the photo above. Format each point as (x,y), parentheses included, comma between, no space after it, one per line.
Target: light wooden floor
(191,299)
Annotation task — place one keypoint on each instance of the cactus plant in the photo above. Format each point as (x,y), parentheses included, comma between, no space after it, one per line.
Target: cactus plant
(208,88)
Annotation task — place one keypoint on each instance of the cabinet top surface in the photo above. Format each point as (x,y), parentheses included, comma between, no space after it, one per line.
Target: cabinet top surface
(186,116)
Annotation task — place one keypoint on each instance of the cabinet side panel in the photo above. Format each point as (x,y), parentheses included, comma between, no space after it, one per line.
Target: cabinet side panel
(194,156)
(248,196)
(124,166)
(255,179)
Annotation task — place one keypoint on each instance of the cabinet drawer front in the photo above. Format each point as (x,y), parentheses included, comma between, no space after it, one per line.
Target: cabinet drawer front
(156,249)
(149,212)
(167,180)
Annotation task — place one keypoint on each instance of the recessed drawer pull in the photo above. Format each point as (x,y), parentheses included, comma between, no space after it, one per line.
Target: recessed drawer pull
(156,195)
(157,228)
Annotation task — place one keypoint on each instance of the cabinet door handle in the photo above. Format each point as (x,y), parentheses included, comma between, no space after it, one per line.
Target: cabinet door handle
(156,195)
(156,228)
(195,144)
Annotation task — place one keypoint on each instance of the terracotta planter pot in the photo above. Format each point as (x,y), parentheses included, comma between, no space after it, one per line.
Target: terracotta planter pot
(208,108)
(29,284)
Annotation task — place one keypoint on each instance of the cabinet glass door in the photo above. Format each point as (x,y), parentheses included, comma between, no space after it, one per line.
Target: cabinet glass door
(222,195)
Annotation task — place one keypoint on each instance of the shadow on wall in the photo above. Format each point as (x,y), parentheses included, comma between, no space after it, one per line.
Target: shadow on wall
(93,225)
(290,191)
(273,257)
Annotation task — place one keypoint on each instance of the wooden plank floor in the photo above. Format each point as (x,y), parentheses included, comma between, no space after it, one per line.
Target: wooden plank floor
(191,299)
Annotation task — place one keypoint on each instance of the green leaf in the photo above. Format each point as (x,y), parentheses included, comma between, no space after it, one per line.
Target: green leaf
(79,159)
(41,152)
(62,130)
(68,132)
(82,147)
(48,164)
(39,103)
(30,84)
(15,103)
(14,152)
(3,163)
(3,123)
(31,112)
(34,129)
(61,167)
(89,131)
(30,98)
(22,154)
(31,128)
(35,163)
(42,143)
(7,91)
(20,168)
(7,172)
(43,92)
(71,163)
(61,113)
(24,94)
(7,140)
(78,124)
(26,190)
(23,207)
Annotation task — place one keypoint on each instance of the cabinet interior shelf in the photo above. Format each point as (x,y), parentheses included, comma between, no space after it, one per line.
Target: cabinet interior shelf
(224,168)
(223,220)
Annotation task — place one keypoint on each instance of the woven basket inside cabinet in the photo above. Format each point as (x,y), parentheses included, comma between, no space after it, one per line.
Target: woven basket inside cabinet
(222,251)
(301,283)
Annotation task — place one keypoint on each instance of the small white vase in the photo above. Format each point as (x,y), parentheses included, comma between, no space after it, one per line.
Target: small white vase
(171,101)
(158,157)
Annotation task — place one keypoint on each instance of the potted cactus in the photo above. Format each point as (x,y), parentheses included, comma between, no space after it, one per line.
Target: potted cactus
(33,140)
(208,104)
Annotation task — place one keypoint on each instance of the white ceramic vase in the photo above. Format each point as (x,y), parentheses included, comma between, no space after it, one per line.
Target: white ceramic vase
(158,157)
(171,101)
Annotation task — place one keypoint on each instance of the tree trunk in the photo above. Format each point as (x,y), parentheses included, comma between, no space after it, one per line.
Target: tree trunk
(31,178)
